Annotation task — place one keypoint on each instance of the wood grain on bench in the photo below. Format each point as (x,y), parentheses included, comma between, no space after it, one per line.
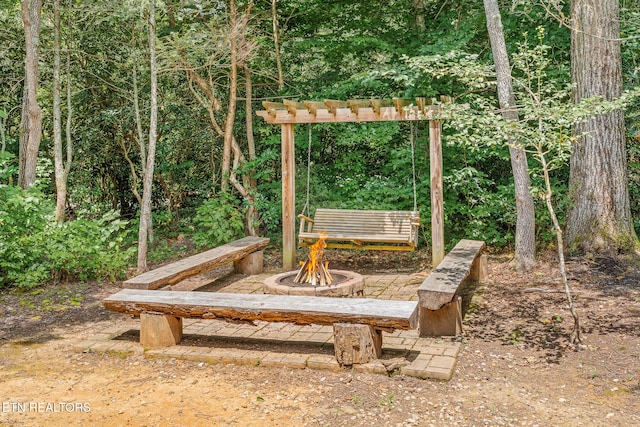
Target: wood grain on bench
(301,310)
(438,295)
(175,272)
(442,284)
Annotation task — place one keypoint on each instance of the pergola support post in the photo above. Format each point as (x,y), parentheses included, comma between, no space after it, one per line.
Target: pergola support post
(288,197)
(437,213)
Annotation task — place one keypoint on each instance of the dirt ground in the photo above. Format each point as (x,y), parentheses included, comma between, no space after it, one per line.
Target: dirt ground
(516,367)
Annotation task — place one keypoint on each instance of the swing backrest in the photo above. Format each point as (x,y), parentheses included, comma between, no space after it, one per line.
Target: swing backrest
(367,229)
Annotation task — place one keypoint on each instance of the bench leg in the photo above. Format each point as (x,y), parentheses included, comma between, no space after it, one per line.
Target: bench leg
(249,265)
(160,330)
(447,321)
(479,269)
(355,343)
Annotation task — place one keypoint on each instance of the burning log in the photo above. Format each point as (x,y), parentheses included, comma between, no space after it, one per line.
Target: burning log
(314,270)
(318,276)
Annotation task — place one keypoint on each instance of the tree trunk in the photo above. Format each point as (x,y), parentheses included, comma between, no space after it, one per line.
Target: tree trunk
(61,188)
(233,86)
(418,10)
(276,42)
(599,217)
(141,145)
(525,222)
(205,92)
(575,336)
(61,169)
(252,213)
(31,113)
(251,217)
(3,123)
(145,209)
(67,166)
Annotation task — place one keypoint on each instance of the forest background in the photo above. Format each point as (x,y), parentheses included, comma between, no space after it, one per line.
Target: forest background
(217,166)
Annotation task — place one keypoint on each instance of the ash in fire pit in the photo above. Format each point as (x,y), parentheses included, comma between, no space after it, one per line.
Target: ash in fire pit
(315,278)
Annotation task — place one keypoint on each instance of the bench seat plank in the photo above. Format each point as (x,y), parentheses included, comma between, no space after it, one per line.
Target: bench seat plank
(175,272)
(382,238)
(440,287)
(302,310)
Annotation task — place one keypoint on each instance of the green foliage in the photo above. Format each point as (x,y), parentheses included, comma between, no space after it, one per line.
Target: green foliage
(340,49)
(630,31)
(88,248)
(23,219)
(270,209)
(35,249)
(476,208)
(218,221)
(8,167)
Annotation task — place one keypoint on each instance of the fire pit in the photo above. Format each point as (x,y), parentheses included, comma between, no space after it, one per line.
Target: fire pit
(345,284)
(315,278)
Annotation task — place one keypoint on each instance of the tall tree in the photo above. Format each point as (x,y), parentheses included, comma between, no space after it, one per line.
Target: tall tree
(233,94)
(249,189)
(525,222)
(276,42)
(62,164)
(142,145)
(145,209)
(31,112)
(599,217)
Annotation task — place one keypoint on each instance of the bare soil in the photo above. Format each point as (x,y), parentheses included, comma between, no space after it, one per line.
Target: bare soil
(516,367)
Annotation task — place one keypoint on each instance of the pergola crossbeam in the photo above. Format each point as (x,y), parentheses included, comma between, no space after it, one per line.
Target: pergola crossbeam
(352,111)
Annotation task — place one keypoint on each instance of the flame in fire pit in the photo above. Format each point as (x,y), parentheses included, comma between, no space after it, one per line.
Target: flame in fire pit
(314,270)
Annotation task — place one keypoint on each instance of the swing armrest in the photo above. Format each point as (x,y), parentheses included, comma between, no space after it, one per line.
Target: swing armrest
(304,218)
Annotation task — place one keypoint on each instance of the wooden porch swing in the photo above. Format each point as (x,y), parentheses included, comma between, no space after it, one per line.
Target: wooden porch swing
(396,230)
(361,229)
(390,230)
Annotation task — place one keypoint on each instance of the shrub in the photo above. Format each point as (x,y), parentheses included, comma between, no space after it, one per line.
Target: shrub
(218,221)
(88,248)
(35,249)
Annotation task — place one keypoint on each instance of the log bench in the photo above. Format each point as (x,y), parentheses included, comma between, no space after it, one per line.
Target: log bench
(246,254)
(439,295)
(357,322)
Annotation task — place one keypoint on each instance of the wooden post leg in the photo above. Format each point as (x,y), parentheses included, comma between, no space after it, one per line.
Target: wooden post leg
(355,343)
(437,211)
(160,330)
(251,264)
(288,198)
(479,269)
(446,321)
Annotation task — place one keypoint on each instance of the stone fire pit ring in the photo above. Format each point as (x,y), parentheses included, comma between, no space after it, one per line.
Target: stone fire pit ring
(346,284)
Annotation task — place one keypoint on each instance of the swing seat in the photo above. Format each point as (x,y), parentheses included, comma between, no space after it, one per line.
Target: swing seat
(361,229)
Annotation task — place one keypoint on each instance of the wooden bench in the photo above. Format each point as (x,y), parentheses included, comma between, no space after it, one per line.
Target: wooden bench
(357,322)
(439,295)
(246,254)
(361,229)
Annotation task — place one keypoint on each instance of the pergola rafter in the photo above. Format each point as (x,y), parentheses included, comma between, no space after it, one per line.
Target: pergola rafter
(288,113)
(353,111)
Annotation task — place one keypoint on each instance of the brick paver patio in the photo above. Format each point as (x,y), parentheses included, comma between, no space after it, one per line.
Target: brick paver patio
(289,345)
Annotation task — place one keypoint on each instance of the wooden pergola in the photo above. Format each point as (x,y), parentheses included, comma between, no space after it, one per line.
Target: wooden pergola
(289,113)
